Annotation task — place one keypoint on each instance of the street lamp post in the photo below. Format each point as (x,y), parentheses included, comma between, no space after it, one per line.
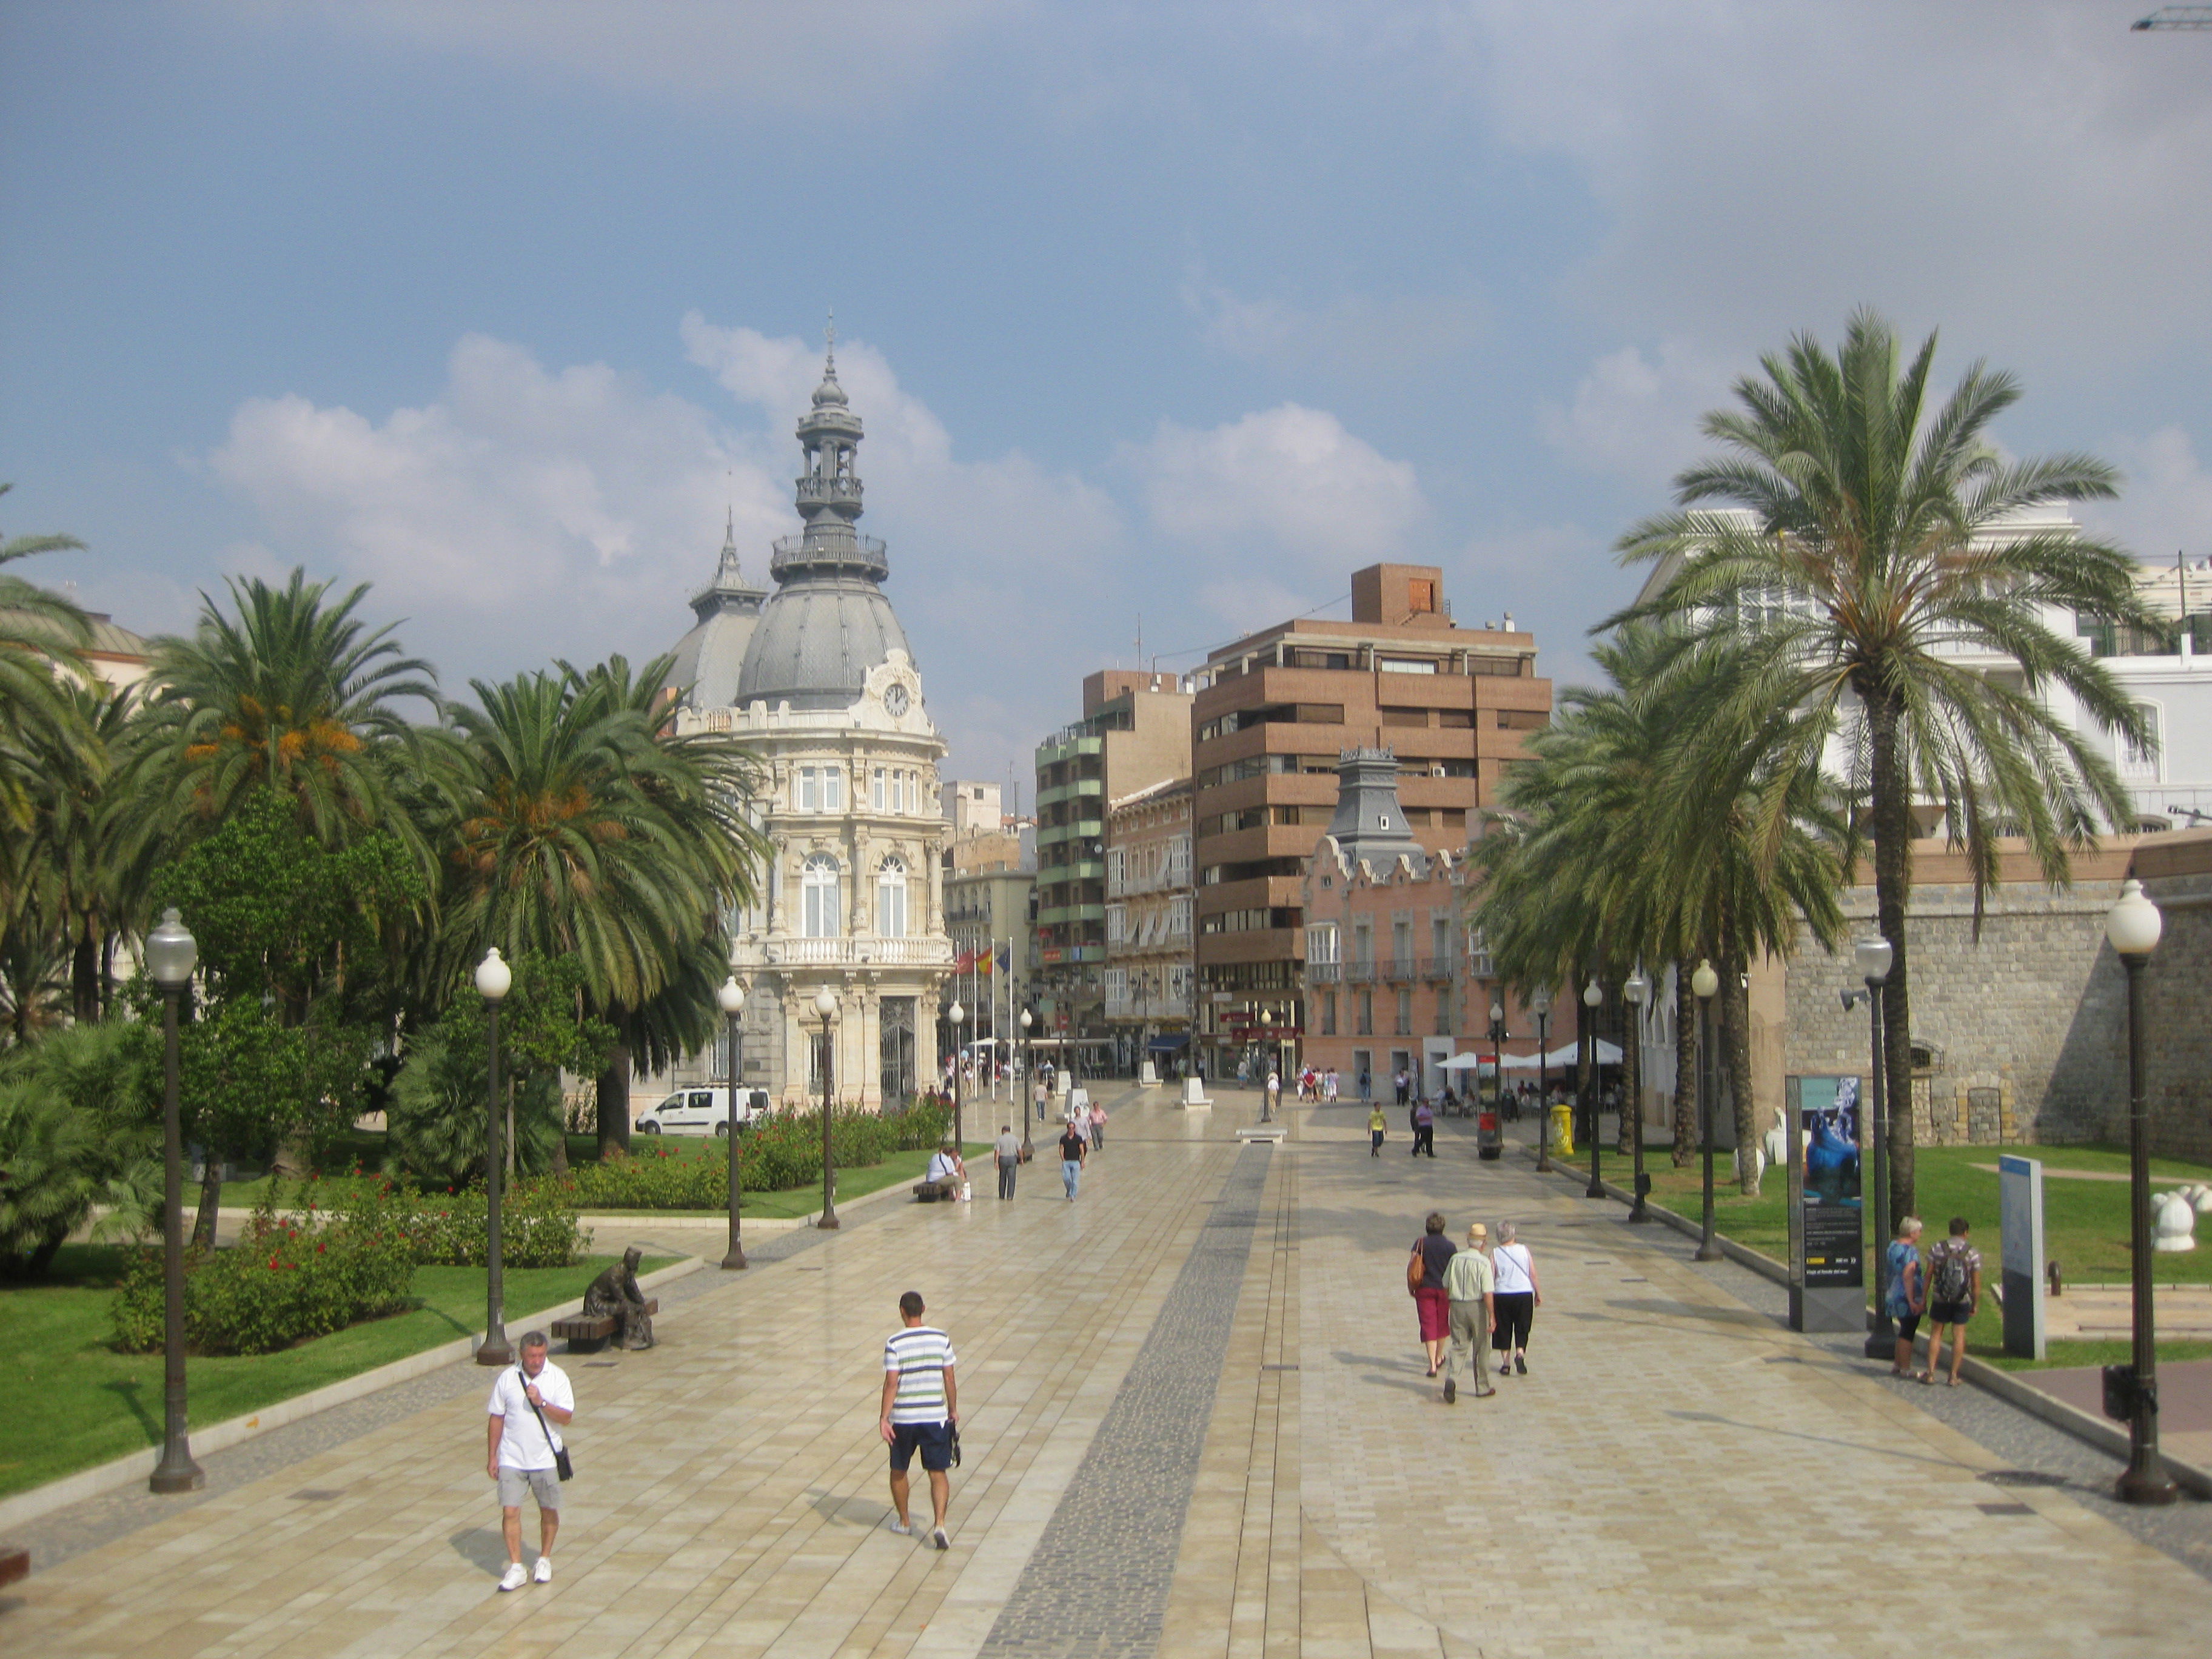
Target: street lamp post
(1704,983)
(732,996)
(1028,1081)
(1873,955)
(1593,998)
(494,980)
(1543,1087)
(959,1130)
(1266,1044)
(1638,991)
(2133,926)
(825,1005)
(171,955)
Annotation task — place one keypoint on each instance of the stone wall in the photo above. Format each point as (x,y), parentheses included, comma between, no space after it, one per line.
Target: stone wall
(2024,1029)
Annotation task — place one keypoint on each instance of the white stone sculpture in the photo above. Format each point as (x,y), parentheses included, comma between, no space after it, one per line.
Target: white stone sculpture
(2199,1194)
(2173,1222)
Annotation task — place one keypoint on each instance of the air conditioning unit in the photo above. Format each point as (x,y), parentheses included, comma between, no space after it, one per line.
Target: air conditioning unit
(1437,770)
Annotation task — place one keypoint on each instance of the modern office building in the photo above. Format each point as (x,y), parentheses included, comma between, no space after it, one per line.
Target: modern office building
(1149,977)
(1273,715)
(1135,731)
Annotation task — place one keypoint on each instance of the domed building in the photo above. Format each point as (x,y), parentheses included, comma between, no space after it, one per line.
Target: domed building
(820,684)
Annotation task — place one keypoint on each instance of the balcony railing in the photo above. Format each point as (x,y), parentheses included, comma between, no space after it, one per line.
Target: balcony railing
(860,952)
(1324,973)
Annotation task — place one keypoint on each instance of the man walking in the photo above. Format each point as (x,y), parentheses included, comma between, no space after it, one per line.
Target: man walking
(520,1453)
(1008,1149)
(1469,1283)
(921,1412)
(1073,1149)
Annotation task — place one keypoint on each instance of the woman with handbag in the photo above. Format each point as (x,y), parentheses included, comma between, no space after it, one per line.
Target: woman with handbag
(1425,1277)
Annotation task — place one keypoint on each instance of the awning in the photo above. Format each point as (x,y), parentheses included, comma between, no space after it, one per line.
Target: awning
(1608,1053)
(1167,1045)
(1462,1062)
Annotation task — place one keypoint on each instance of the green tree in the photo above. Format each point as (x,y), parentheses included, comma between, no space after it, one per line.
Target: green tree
(1874,548)
(292,936)
(79,1113)
(580,826)
(40,632)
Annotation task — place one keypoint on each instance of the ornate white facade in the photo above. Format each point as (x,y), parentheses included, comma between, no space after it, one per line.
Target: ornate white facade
(829,699)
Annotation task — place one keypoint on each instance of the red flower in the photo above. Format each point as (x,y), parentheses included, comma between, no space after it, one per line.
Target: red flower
(321,1248)
(272,1264)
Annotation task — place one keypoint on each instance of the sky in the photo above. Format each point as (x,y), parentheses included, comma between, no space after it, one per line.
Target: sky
(1162,320)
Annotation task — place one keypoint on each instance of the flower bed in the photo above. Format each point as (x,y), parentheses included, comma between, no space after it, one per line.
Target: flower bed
(779,1154)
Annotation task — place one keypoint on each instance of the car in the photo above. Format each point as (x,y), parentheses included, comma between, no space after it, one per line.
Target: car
(703,1111)
(1489,1136)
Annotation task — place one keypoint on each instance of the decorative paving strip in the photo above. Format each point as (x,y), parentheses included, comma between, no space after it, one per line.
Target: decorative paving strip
(1096,1585)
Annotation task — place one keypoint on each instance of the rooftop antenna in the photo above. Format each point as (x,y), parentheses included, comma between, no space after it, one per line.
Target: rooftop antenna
(2174,17)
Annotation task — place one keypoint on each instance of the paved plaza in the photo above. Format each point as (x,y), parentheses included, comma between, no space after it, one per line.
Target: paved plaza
(1194,1422)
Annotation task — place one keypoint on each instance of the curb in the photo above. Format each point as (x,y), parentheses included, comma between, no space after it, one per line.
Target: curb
(2106,1437)
(217,1437)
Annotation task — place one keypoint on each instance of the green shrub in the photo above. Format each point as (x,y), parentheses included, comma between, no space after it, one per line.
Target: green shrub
(79,1111)
(537,1225)
(435,1117)
(288,1278)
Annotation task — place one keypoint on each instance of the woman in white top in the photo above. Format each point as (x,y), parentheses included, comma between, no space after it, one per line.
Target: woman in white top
(1516,1298)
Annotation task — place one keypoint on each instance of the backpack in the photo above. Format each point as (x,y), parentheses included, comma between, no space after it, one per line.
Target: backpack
(1954,1281)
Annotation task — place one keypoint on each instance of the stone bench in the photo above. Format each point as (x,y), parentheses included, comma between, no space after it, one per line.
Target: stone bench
(585,1335)
(936,1192)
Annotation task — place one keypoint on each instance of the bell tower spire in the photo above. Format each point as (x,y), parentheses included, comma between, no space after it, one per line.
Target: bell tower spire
(829,491)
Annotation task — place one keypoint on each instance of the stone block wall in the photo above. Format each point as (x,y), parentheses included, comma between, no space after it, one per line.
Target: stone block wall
(2026,1030)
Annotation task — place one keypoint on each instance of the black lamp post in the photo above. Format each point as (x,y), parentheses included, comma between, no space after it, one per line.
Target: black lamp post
(1638,991)
(2133,926)
(1873,955)
(171,955)
(1704,983)
(825,1005)
(732,996)
(957,1015)
(1593,999)
(1266,1048)
(1028,1081)
(493,979)
(1543,1087)
(1498,1058)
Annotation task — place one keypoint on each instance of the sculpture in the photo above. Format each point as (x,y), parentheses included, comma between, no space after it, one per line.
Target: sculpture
(615,1295)
(2172,1222)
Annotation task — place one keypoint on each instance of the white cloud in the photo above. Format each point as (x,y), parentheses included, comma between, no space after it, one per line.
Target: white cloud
(1285,483)
(2032,175)
(1637,417)
(2165,500)
(774,54)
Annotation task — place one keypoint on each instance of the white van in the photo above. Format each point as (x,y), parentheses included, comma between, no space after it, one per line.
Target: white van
(703,1111)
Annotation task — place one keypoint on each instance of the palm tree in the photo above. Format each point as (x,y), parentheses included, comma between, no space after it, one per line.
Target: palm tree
(294,693)
(1632,841)
(1872,545)
(580,825)
(40,632)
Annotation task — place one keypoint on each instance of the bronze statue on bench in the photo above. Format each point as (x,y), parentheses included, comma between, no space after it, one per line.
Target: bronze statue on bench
(615,1295)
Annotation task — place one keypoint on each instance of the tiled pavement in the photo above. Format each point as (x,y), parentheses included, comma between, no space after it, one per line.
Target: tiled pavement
(1679,1475)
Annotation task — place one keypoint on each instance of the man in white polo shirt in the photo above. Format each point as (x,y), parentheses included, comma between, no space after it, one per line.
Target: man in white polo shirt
(529,1403)
(921,1406)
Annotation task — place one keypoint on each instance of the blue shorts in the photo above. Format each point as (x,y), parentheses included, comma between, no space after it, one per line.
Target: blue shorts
(933,1440)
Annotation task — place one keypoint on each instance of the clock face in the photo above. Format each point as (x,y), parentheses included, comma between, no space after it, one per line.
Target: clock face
(896,701)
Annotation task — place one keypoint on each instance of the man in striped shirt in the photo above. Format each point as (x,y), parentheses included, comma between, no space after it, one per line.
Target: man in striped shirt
(921,1404)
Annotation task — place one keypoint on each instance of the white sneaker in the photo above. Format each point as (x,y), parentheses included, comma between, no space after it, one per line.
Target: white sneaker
(940,1539)
(545,1572)
(903,1528)
(515,1576)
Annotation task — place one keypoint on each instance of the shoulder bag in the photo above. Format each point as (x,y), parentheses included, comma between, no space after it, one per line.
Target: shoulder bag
(1416,1267)
(562,1466)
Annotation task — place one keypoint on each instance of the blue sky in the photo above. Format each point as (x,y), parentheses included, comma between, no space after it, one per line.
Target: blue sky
(1168,312)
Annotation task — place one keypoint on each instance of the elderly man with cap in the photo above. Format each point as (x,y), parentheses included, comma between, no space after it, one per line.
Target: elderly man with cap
(1469,1283)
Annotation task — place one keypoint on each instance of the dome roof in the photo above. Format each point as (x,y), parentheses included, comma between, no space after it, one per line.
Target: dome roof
(818,638)
(708,660)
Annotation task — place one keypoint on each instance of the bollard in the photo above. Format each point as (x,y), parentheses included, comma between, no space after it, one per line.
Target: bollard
(2058,1283)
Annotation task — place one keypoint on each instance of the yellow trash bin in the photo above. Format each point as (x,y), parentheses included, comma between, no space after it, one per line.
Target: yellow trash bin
(1562,1130)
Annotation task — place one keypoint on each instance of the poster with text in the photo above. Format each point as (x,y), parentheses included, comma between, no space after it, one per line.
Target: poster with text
(1831,1210)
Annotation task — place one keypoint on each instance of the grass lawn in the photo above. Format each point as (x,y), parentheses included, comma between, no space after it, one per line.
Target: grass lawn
(75,1401)
(2085,1223)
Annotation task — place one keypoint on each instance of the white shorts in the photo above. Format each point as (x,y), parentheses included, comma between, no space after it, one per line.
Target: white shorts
(544,1484)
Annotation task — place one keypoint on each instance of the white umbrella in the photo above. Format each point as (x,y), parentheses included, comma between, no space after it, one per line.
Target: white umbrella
(1464,1062)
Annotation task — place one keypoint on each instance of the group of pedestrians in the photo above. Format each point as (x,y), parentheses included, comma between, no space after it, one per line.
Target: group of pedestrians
(1946,1290)
(1473,1302)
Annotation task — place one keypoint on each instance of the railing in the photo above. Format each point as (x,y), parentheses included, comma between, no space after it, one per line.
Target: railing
(1359,973)
(864,553)
(1324,973)
(1168,1008)
(864,952)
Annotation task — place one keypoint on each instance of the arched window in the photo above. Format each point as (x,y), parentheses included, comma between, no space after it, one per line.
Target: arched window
(891,898)
(818,902)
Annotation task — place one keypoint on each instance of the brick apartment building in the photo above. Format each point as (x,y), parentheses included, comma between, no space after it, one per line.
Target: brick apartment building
(1135,733)
(1271,716)
(1149,981)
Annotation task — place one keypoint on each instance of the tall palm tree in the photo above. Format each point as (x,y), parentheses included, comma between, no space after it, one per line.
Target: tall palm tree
(40,632)
(295,692)
(1634,841)
(581,825)
(1872,543)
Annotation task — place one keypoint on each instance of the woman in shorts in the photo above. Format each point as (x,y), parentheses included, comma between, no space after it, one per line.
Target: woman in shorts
(1430,1305)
